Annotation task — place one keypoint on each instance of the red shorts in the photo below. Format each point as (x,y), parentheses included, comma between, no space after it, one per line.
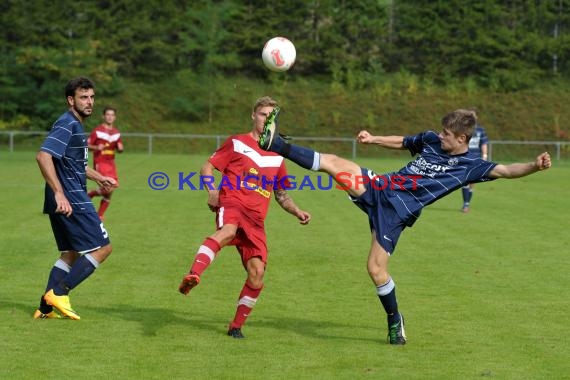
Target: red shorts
(107,169)
(250,238)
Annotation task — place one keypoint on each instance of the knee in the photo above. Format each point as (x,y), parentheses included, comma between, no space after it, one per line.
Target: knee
(102,253)
(378,273)
(255,276)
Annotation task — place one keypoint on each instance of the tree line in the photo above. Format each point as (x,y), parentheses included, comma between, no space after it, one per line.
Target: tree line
(501,45)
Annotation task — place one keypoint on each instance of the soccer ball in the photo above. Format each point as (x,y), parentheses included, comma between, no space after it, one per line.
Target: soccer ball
(278,54)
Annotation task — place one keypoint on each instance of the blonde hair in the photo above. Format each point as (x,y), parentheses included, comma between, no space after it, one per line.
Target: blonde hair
(264,101)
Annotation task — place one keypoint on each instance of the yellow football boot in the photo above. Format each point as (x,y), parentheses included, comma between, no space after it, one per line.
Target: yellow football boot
(62,304)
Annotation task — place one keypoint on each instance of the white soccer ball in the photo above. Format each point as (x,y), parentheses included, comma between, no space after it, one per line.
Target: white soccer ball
(278,54)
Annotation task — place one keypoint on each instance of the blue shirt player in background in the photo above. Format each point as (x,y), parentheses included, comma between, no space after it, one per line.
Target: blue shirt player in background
(78,231)
(394,201)
(478,144)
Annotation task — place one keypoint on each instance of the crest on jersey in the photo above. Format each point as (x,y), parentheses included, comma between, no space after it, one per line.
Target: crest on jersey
(453,161)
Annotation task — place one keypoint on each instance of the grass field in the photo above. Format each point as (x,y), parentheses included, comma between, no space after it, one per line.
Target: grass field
(484,294)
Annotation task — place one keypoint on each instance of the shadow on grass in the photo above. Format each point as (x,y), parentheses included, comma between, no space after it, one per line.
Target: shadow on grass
(12,307)
(152,319)
(326,330)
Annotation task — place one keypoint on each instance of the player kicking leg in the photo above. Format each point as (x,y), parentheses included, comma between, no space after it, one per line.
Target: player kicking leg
(375,204)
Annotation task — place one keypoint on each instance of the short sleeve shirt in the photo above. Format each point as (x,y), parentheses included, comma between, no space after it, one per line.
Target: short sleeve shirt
(432,175)
(67,144)
(249,174)
(478,139)
(109,138)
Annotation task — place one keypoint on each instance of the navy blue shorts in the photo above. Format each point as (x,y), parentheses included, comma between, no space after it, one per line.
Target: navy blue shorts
(79,232)
(382,216)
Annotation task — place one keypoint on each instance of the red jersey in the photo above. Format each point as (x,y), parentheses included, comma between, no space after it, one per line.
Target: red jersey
(109,138)
(249,174)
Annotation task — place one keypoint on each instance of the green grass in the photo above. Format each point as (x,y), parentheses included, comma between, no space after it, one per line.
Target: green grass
(484,294)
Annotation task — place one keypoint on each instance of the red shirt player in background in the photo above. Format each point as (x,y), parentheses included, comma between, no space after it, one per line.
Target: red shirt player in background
(104,141)
(240,201)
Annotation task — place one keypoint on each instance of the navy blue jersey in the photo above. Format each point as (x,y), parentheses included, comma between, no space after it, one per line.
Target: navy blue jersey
(440,173)
(478,139)
(67,144)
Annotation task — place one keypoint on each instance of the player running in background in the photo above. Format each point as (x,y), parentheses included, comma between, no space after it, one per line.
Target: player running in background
(78,231)
(104,141)
(478,144)
(395,200)
(250,175)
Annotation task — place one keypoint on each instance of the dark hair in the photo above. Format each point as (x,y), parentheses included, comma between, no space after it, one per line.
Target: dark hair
(74,84)
(109,108)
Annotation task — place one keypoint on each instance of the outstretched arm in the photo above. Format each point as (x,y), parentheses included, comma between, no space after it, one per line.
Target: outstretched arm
(518,170)
(391,142)
(287,204)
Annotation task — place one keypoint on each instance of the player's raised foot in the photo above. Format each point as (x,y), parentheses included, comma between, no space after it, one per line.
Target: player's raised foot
(188,282)
(62,304)
(235,333)
(396,332)
(270,130)
(51,315)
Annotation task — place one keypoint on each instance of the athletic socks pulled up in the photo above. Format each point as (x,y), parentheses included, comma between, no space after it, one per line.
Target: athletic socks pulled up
(82,268)
(387,295)
(304,157)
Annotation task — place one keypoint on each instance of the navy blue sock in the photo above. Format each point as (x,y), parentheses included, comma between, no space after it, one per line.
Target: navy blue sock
(387,295)
(304,157)
(56,276)
(44,307)
(466,194)
(81,269)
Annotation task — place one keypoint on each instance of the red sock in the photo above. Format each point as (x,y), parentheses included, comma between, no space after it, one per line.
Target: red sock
(247,299)
(206,254)
(103,206)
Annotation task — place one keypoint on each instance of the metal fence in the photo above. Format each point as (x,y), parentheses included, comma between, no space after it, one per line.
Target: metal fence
(170,143)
